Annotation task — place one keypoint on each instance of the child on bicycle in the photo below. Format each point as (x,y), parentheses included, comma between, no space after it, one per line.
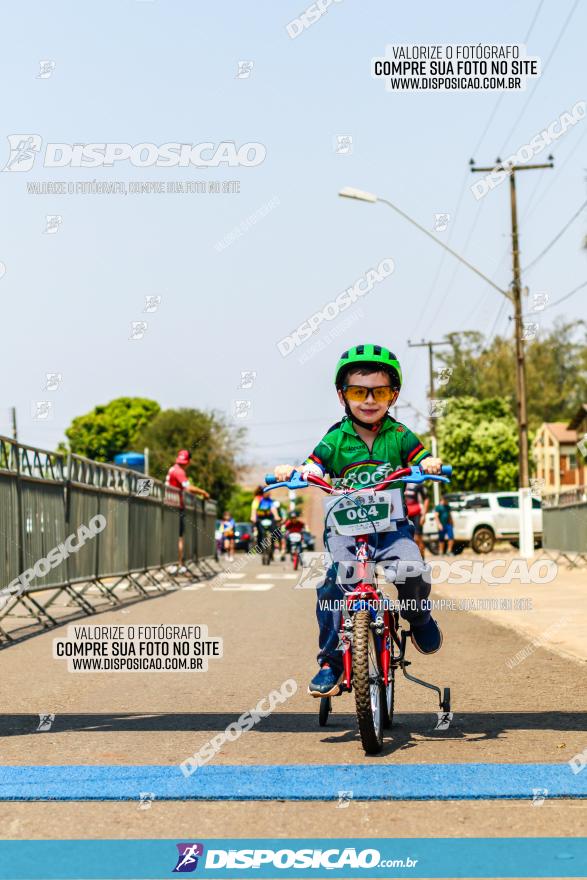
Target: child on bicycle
(361,450)
(293,525)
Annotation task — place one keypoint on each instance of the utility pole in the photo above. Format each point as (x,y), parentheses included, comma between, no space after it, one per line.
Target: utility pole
(13,419)
(526,533)
(432,419)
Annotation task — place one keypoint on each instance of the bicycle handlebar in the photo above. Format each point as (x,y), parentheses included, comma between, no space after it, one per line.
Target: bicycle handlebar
(404,475)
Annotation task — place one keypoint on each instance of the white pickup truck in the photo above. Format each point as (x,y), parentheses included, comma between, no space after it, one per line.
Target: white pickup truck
(480,519)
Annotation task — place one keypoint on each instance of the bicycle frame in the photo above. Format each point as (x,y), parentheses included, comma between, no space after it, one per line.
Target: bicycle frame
(365,594)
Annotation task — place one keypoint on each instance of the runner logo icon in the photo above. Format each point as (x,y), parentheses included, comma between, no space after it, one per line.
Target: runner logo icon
(188,854)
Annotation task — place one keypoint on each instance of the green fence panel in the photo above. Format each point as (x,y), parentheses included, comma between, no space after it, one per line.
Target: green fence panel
(206,530)
(170,526)
(43,528)
(45,498)
(9,531)
(565,528)
(189,532)
(84,505)
(113,545)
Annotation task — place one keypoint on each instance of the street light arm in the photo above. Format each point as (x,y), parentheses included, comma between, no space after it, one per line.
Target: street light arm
(445,246)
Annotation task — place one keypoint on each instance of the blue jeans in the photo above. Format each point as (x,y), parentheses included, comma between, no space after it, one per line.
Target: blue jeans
(402,562)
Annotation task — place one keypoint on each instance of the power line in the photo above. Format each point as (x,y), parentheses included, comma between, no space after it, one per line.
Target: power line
(480,205)
(531,28)
(542,72)
(556,238)
(500,98)
(556,173)
(566,296)
(442,244)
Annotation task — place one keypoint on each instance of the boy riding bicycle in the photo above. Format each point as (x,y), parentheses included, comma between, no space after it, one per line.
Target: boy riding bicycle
(358,452)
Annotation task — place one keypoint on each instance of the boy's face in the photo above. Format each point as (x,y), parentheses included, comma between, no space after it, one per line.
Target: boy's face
(369,410)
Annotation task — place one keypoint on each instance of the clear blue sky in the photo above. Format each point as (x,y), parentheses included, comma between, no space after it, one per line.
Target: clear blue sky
(157,72)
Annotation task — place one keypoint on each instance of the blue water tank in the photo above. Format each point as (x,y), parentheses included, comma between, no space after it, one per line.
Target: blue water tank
(133,460)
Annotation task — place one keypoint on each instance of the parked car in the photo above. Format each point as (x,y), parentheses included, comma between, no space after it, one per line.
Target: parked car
(308,540)
(481,519)
(243,536)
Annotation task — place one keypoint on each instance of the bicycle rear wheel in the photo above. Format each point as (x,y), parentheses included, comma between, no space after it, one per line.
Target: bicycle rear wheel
(367,684)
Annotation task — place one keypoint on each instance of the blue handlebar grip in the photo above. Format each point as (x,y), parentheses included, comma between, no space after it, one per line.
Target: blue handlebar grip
(446,470)
(270,478)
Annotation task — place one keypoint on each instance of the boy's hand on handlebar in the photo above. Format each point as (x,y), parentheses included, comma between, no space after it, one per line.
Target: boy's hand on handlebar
(283,472)
(431,465)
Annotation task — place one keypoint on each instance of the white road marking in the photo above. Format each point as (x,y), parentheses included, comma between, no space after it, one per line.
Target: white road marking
(234,575)
(283,577)
(195,587)
(253,588)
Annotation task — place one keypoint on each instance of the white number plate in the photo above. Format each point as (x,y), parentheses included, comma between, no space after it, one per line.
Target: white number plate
(365,512)
(295,537)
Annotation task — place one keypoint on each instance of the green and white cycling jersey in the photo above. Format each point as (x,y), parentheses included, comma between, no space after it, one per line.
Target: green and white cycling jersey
(347,459)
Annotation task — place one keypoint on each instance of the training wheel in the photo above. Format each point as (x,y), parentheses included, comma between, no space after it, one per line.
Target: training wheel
(325,710)
(445,705)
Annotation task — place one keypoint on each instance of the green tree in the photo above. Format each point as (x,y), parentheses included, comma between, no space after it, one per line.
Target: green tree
(479,438)
(239,504)
(110,428)
(214,443)
(556,370)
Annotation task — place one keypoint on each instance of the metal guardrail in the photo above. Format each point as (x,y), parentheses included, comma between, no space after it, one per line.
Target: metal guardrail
(46,496)
(565,521)
(565,497)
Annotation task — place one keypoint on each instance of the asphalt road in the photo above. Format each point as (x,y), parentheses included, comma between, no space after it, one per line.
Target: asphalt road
(533,713)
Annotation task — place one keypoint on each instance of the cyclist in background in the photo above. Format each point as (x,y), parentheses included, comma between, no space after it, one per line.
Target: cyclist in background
(264,507)
(293,524)
(417,504)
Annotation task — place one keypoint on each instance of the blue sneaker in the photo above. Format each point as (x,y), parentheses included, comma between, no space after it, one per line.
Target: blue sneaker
(325,683)
(427,638)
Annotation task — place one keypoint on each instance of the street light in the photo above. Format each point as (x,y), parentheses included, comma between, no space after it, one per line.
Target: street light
(349,192)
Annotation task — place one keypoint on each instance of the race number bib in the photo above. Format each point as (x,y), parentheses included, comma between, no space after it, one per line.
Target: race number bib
(366,512)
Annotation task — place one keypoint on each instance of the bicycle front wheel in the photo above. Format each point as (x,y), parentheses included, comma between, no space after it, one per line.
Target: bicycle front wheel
(367,684)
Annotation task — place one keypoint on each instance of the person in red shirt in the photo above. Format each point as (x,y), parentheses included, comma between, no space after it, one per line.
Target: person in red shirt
(177,477)
(293,524)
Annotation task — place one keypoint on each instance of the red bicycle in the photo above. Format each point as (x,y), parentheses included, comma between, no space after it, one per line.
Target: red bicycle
(371,640)
(295,548)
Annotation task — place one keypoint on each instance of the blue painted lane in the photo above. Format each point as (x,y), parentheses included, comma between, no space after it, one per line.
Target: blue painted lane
(293,782)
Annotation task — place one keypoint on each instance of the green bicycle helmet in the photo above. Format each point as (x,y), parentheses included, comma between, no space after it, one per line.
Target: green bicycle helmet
(370,354)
